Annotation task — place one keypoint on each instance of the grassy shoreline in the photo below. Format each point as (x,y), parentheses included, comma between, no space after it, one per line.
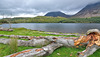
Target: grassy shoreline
(29,32)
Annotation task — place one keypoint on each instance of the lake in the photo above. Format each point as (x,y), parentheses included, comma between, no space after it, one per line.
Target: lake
(57,27)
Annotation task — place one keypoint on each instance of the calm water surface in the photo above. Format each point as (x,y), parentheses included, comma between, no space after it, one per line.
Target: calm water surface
(57,27)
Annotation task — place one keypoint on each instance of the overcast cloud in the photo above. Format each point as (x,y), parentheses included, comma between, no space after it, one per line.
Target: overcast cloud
(33,8)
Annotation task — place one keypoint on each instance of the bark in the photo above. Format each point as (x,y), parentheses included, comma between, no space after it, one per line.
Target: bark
(69,41)
(88,51)
(66,42)
(33,42)
(63,34)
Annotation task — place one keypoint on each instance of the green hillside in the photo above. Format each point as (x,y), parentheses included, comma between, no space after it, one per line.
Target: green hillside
(47,19)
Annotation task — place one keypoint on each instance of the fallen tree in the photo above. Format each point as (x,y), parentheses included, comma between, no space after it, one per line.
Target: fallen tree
(92,39)
(63,34)
(31,37)
(37,52)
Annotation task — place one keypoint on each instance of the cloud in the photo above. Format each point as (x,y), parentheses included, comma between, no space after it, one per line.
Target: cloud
(35,7)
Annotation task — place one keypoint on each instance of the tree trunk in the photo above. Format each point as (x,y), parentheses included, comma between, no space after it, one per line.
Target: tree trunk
(88,51)
(34,42)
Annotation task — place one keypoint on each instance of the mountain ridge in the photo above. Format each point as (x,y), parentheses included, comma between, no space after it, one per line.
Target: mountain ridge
(91,10)
(57,13)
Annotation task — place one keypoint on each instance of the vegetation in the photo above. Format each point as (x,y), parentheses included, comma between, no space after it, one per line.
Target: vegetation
(13,45)
(48,19)
(39,19)
(66,52)
(6,50)
(70,52)
(86,20)
(60,52)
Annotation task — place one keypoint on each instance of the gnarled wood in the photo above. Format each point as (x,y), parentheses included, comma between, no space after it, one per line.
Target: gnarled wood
(93,37)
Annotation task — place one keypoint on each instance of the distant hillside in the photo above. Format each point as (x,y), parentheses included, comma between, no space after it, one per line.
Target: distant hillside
(48,19)
(38,19)
(56,14)
(91,10)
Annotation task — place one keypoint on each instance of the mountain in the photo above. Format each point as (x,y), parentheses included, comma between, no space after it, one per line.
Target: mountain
(57,13)
(91,10)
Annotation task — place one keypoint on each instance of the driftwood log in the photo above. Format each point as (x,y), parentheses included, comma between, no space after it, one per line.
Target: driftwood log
(37,52)
(5,29)
(31,37)
(92,39)
(63,34)
(33,42)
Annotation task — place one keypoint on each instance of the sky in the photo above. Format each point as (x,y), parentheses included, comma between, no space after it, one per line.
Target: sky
(32,8)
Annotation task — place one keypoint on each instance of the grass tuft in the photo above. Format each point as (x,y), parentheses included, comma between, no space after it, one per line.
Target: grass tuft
(13,45)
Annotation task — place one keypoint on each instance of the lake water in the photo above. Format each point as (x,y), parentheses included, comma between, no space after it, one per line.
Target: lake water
(57,27)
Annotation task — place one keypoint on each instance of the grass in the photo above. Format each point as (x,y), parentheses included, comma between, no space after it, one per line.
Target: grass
(71,52)
(65,52)
(5,49)
(60,52)
(28,32)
